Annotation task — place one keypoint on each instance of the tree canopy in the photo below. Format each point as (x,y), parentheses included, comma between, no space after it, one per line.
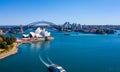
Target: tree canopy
(5,41)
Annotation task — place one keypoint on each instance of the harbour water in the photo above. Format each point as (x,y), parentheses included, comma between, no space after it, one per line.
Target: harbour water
(76,52)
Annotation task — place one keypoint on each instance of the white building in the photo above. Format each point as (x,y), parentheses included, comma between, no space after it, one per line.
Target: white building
(38,33)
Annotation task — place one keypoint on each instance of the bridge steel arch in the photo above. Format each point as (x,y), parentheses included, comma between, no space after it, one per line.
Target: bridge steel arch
(40,22)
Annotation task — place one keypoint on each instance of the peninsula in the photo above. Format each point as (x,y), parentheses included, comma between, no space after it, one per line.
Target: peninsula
(8,46)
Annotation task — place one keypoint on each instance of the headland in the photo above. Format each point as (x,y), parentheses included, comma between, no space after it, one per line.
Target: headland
(11,51)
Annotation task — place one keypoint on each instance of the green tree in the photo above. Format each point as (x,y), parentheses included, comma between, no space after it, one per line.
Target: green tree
(3,46)
(13,38)
(9,41)
(1,39)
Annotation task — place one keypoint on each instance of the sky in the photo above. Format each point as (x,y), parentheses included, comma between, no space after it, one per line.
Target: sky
(21,12)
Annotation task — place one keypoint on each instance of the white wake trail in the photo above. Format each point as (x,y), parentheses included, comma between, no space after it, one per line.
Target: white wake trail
(47,65)
(49,60)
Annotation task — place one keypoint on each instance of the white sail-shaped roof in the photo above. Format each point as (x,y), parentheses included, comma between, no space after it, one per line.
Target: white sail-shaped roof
(43,32)
(38,35)
(47,33)
(25,35)
(38,31)
(32,34)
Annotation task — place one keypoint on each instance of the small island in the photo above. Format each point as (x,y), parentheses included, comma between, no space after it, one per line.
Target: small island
(8,46)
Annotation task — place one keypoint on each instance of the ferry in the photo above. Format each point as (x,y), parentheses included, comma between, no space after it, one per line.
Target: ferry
(67,34)
(56,68)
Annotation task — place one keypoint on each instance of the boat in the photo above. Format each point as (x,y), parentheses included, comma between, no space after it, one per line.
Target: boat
(52,67)
(56,68)
(67,34)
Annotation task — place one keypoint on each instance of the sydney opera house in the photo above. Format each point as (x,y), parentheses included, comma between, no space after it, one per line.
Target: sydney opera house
(38,35)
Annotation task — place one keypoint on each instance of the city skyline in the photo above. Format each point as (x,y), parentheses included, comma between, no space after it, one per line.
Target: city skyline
(17,12)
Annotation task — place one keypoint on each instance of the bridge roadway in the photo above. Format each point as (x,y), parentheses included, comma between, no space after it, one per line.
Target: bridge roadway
(30,25)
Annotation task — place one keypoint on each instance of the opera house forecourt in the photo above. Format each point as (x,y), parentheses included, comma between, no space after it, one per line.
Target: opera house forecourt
(38,35)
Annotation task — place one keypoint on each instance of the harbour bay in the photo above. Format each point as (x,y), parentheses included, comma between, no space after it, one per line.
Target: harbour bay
(76,52)
(59,36)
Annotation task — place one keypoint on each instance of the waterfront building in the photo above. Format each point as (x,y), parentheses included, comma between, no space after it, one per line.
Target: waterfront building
(37,34)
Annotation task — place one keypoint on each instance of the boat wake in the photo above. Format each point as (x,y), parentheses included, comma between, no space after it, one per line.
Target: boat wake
(49,60)
(49,64)
(46,64)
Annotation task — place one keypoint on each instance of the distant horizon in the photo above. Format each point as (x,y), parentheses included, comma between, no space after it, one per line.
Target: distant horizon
(88,12)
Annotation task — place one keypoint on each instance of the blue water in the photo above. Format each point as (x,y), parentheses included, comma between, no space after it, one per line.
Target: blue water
(76,52)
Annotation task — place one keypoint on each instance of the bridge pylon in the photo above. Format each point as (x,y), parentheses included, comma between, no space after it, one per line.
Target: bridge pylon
(21,29)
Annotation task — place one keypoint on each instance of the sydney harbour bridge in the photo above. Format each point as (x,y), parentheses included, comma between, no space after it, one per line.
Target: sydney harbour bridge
(33,25)
(40,24)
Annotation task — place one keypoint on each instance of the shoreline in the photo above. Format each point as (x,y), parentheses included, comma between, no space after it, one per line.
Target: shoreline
(31,40)
(12,51)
